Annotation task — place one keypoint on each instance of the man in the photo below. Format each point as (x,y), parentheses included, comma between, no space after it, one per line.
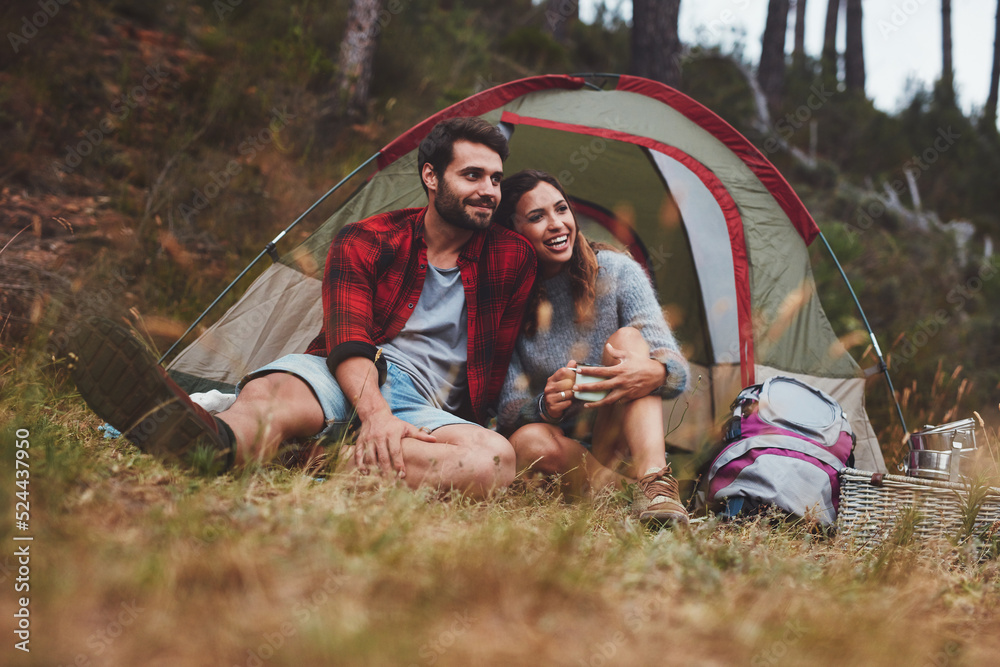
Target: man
(421,309)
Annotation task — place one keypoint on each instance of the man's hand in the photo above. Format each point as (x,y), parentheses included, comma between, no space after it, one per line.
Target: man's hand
(629,379)
(380,443)
(380,438)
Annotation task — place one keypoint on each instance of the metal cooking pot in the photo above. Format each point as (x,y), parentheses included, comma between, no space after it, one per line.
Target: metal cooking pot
(943,438)
(930,464)
(943,452)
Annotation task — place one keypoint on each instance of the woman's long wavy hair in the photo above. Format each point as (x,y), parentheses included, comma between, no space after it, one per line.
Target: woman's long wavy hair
(582,267)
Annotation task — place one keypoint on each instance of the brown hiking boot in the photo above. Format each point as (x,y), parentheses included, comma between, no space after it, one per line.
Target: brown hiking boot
(657,500)
(125,386)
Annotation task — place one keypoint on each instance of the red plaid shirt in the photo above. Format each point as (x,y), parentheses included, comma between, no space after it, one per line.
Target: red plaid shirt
(374,275)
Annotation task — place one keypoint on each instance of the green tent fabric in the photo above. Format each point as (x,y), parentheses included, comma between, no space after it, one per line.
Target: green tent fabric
(721,233)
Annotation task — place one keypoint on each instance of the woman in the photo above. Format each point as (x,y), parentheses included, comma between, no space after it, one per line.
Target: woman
(588,309)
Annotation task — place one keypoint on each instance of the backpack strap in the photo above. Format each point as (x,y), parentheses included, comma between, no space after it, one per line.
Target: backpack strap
(732,430)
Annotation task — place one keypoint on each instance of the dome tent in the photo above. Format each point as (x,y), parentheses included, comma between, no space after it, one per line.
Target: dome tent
(721,233)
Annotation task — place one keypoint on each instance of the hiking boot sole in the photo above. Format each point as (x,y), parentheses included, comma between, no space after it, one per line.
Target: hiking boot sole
(665,514)
(125,386)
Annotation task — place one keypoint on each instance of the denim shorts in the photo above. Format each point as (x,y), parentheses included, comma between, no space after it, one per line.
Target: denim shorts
(398,389)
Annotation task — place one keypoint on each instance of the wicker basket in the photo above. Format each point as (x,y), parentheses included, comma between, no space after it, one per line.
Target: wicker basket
(870,504)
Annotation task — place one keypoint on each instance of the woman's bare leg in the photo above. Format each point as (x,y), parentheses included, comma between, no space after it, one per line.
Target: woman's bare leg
(634,427)
(637,426)
(545,449)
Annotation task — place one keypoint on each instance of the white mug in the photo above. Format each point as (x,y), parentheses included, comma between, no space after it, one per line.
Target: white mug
(583,378)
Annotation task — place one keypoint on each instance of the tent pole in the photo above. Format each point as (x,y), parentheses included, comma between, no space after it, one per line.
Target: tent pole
(269,250)
(883,367)
(595,75)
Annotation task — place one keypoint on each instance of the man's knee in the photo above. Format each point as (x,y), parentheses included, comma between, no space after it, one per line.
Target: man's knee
(275,386)
(492,455)
(284,401)
(260,388)
(501,453)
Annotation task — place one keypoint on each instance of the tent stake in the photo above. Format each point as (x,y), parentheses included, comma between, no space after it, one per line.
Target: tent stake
(269,250)
(883,367)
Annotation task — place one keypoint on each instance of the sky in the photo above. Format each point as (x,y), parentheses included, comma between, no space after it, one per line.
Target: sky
(902,40)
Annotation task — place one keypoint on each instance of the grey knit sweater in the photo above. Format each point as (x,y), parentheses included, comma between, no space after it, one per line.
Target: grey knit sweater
(624,298)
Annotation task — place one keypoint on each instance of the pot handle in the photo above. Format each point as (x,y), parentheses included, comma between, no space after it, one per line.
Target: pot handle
(904,467)
(954,462)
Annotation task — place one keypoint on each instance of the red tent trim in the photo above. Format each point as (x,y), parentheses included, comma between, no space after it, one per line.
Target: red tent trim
(476,105)
(772,179)
(616,227)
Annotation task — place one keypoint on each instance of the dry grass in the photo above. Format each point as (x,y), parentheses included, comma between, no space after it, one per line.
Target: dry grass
(136,563)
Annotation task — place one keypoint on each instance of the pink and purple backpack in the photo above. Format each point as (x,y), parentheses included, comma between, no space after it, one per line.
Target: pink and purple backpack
(784,447)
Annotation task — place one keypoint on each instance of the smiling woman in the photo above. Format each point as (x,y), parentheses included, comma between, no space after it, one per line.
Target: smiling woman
(594,305)
(543,217)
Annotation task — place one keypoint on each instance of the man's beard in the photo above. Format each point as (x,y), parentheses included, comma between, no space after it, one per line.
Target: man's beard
(452,210)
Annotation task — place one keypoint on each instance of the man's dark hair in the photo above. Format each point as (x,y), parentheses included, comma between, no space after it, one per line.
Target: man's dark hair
(437,147)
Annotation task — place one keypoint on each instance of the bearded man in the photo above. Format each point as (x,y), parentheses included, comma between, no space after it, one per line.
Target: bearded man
(421,308)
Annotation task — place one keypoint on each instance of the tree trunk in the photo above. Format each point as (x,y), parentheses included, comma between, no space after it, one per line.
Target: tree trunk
(656,47)
(771,70)
(348,99)
(559,16)
(829,55)
(799,67)
(947,69)
(990,111)
(854,53)
(800,30)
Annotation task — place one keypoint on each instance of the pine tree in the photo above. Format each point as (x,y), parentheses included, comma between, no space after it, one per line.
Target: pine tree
(990,112)
(348,98)
(799,51)
(947,84)
(771,70)
(829,55)
(854,53)
(655,44)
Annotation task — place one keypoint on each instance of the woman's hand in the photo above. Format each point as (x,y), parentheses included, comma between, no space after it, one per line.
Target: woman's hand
(558,394)
(631,378)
